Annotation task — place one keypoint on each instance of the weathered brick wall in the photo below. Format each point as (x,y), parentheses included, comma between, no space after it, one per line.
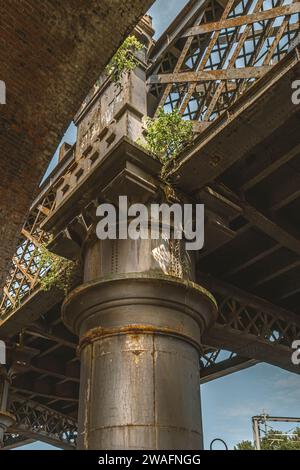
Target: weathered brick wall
(51,53)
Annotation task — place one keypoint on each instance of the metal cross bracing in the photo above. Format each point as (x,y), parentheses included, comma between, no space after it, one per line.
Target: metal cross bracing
(37,422)
(216,363)
(25,270)
(216,56)
(247,319)
(251,327)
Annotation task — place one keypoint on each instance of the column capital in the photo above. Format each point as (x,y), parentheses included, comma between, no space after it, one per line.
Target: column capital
(181,306)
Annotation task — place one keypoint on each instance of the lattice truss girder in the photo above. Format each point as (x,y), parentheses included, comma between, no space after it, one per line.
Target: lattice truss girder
(211,357)
(221,54)
(236,317)
(34,420)
(259,323)
(26,270)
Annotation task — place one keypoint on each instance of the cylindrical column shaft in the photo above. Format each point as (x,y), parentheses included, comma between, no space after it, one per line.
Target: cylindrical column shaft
(140,339)
(142,391)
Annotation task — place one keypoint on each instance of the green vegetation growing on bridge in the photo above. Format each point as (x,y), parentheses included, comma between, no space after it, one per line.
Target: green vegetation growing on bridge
(124,60)
(56,271)
(166,136)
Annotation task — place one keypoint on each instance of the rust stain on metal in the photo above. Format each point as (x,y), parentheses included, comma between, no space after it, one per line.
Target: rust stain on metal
(137,354)
(86,416)
(98,333)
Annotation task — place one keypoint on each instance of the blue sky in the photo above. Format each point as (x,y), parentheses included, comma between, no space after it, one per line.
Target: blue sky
(229,403)
(163,12)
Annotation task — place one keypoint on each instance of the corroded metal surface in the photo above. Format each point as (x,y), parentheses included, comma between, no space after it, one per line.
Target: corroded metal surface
(140,368)
(209,61)
(142,393)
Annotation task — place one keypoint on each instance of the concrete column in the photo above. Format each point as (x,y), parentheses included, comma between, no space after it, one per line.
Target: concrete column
(140,334)
(6,418)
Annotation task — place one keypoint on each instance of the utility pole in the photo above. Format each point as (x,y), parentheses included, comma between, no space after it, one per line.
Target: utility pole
(264,418)
(256,432)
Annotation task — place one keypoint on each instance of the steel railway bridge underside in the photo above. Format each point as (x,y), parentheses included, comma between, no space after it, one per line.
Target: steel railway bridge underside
(228,66)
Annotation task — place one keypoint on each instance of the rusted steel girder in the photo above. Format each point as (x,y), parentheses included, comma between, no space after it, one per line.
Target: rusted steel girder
(217,149)
(212,368)
(207,75)
(251,326)
(219,38)
(36,421)
(244,19)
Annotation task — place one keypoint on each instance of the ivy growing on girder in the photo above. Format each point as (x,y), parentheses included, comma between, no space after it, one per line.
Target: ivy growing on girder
(58,272)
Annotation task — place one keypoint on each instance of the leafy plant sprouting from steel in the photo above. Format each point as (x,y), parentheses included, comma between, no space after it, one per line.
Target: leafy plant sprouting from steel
(222,54)
(124,60)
